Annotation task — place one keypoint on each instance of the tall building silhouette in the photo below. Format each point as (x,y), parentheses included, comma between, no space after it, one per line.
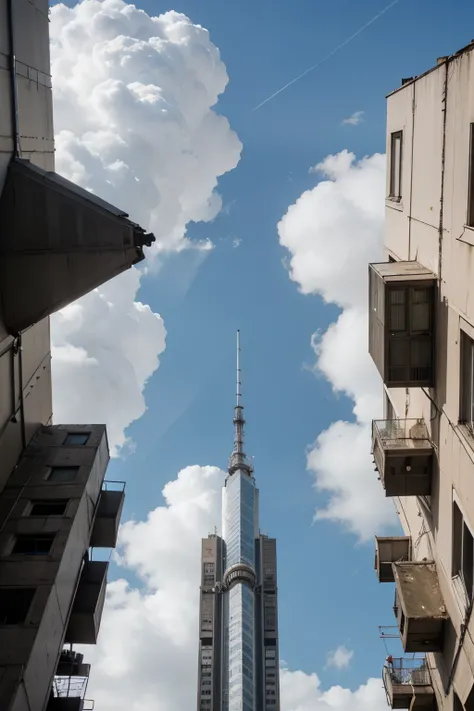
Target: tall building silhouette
(238,620)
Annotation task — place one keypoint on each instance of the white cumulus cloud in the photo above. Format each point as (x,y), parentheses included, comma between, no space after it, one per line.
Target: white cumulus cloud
(105,347)
(133,98)
(354,120)
(303,692)
(134,120)
(146,656)
(340,658)
(332,232)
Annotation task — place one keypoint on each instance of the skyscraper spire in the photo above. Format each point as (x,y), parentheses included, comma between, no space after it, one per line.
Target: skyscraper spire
(238,643)
(238,460)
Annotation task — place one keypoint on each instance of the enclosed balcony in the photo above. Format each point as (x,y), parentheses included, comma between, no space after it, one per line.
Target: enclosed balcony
(408,685)
(402,323)
(88,604)
(107,521)
(419,607)
(390,550)
(403,454)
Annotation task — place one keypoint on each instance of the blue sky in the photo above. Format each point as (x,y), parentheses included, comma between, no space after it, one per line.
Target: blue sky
(329,594)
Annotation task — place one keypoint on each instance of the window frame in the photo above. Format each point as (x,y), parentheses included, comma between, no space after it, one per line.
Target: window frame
(27,607)
(24,537)
(470,182)
(466,381)
(45,502)
(396,180)
(462,551)
(87,436)
(53,469)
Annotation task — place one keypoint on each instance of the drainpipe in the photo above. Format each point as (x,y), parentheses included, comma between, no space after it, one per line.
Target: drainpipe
(464,627)
(443,164)
(13,81)
(413,105)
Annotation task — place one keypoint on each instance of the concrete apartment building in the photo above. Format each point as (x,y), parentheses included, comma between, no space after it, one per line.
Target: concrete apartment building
(57,242)
(421,337)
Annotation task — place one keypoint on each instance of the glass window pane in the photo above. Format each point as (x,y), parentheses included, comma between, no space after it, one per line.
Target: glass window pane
(77,438)
(63,474)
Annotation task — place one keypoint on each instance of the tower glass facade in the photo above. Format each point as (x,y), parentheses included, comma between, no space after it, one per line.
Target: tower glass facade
(238,656)
(239,524)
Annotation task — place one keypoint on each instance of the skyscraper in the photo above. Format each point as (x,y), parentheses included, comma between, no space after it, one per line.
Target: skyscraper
(238,620)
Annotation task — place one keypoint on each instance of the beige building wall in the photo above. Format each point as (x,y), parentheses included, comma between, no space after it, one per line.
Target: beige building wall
(428,224)
(25,362)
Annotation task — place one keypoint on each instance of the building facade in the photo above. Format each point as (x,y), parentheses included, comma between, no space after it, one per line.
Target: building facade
(238,617)
(421,337)
(57,242)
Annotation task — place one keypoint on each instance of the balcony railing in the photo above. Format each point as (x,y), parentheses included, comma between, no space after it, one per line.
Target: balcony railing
(412,672)
(403,455)
(401,434)
(67,686)
(69,692)
(407,684)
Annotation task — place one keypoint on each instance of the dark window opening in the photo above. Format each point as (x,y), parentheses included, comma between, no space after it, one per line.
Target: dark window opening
(63,474)
(33,544)
(396,150)
(51,507)
(470,204)
(410,325)
(469,705)
(77,438)
(15,604)
(462,551)
(466,399)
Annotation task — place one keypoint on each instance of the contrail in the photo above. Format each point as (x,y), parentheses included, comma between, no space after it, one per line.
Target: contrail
(328,56)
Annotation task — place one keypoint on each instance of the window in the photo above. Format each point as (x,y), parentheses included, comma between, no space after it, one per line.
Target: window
(463,551)
(63,474)
(33,544)
(51,507)
(15,604)
(396,165)
(466,400)
(76,438)
(470,186)
(469,703)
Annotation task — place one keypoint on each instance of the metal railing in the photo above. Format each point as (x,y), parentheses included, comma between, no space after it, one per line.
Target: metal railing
(403,671)
(67,686)
(401,434)
(113,485)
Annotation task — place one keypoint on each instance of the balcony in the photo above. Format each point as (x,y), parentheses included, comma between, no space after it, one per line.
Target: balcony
(402,323)
(68,694)
(107,521)
(408,685)
(390,550)
(419,607)
(71,664)
(403,454)
(88,604)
